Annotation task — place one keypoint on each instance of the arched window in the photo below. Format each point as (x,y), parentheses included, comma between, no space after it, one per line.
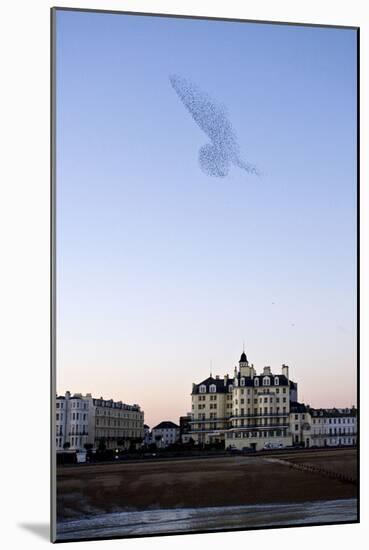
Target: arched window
(236,381)
(256,381)
(212,388)
(266,381)
(276,381)
(242,381)
(202,388)
(230,387)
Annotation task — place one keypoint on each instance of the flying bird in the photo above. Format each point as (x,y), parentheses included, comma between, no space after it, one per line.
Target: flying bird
(216,157)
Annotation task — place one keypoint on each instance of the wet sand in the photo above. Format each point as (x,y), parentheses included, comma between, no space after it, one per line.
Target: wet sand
(177,520)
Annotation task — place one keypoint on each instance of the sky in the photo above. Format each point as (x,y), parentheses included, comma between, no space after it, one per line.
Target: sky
(164,270)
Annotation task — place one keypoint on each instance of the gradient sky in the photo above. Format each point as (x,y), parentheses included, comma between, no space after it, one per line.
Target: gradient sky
(161,268)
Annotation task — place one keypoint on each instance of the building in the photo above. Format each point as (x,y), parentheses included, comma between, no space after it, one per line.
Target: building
(300,424)
(333,427)
(185,428)
(243,410)
(164,434)
(82,420)
(147,435)
(250,410)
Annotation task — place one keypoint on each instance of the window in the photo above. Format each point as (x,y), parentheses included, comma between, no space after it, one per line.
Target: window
(230,387)
(276,381)
(57,416)
(202,389)
(256,381)
(266,381)
(213,388)
(57,405)
(242,381)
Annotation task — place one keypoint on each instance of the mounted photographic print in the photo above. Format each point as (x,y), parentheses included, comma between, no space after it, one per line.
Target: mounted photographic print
(204,275)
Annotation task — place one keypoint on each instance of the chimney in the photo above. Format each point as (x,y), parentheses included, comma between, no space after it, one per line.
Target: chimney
(193,386)
(225,379)
(285,370)
(266,370)
(217,377)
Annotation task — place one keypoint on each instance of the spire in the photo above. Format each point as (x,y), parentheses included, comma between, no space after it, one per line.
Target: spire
(243,358)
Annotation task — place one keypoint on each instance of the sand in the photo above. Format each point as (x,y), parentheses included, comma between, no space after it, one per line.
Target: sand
(86,490)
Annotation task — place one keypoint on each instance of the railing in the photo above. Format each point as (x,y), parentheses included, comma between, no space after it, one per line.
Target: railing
(261,427)
(239,416)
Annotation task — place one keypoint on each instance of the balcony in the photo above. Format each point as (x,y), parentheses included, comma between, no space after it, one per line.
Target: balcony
(258,415)
(260,427)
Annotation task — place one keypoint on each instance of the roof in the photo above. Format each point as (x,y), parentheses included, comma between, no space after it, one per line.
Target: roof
(166,425)
(222,384)
(333,413)
(243,358)
(296,407)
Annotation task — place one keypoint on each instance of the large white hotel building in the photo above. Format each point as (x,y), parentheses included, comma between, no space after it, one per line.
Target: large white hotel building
(250,410)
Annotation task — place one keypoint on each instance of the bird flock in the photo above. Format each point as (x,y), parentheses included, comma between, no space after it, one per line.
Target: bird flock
(217,156)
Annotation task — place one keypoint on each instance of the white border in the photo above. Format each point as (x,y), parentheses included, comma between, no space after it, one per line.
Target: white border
(24,288)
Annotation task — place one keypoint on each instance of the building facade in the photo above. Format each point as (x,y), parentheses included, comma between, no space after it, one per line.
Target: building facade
(185,428)
(333,427)
(257,411)
(164,434)
(82,420)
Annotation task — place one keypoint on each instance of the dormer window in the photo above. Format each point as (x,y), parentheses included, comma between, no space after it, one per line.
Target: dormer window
(266,381)
(230,387)
(213,388)
(202,388)
(276,381)
(242,381)
(256,381)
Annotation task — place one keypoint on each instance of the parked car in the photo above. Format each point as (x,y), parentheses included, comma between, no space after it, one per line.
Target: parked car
(269,446)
